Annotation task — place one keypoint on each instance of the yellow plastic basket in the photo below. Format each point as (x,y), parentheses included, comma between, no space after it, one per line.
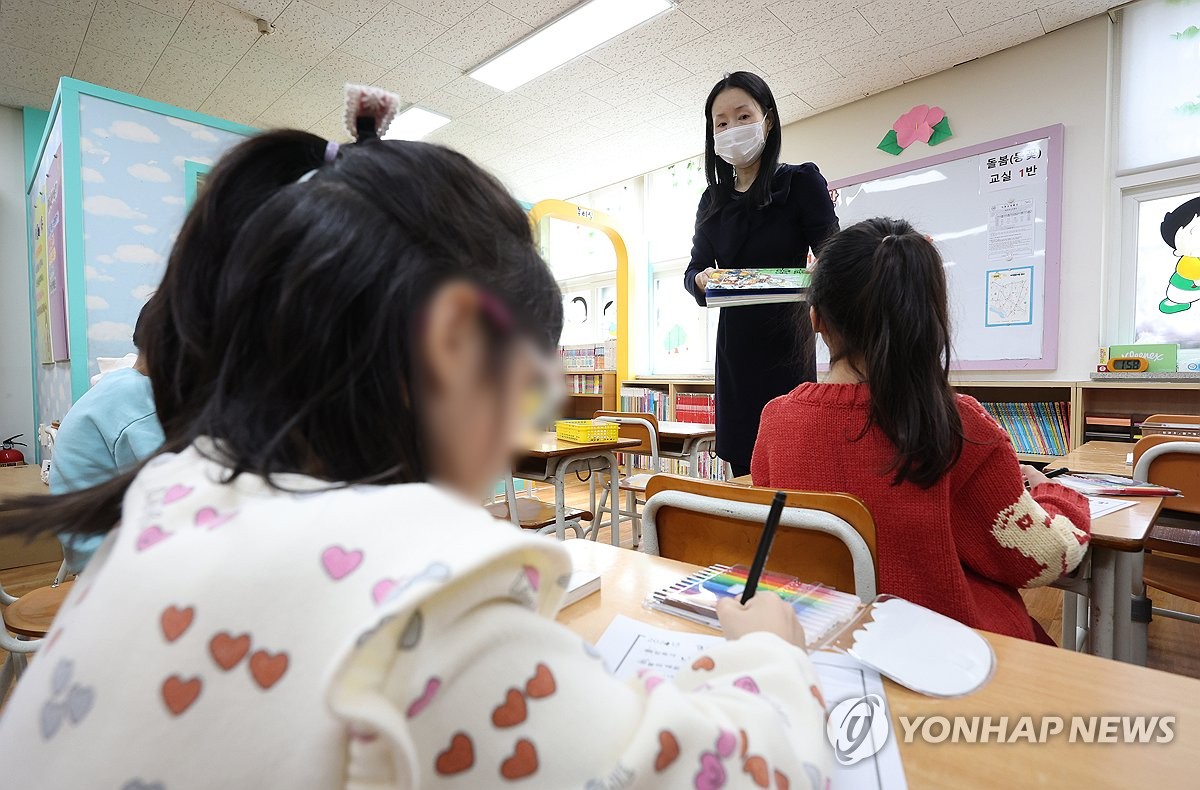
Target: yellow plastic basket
(585,431)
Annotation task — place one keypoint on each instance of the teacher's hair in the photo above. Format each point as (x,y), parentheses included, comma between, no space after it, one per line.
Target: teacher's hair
(880,289)
(719,172)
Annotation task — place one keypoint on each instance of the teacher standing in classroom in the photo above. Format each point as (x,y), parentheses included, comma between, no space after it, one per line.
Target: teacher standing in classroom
(756,214)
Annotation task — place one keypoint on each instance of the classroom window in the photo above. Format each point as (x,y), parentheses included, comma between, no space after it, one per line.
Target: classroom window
(683,339)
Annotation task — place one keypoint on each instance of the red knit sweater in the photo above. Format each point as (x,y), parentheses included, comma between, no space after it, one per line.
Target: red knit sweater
(962,547)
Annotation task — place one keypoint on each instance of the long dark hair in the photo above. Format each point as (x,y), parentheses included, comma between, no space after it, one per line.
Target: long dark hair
(284,322)
(880,288)
(719,172)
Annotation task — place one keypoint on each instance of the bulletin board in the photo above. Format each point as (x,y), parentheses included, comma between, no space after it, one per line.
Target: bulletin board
(995,212)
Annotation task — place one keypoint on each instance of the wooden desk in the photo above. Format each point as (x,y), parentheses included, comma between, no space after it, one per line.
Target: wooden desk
(548,459)
(1106,458)
(685,441)
(1031,680)
(17,552)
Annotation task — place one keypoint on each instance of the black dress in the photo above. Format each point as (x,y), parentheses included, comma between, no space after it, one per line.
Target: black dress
(763,351)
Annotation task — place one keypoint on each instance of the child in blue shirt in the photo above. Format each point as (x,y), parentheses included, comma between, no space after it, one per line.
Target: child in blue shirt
(108,431)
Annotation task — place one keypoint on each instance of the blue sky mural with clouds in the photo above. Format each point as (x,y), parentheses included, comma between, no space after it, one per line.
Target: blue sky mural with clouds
(133,207)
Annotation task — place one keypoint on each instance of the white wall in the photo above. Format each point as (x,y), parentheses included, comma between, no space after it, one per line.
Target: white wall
(16,372)
(1058,78)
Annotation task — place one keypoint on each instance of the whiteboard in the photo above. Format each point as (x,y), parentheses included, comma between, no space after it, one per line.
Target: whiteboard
(994,211)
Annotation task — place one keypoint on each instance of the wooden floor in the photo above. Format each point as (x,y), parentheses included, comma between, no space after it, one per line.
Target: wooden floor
(1174,646)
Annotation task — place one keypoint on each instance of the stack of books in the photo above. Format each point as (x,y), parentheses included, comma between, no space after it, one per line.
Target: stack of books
(585,383)
(696,407)
(738,287)
(1035,428)
(589,357)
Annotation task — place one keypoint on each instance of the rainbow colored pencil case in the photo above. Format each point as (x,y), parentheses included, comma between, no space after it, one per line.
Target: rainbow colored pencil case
(915,646)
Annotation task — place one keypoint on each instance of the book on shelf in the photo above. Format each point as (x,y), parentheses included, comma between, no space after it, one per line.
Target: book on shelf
(585,383)
(1090,484)
(1035,428)
(589,357)
(737,287)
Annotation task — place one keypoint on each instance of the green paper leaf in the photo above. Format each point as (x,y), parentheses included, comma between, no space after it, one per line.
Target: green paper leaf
(889,145)
(941,132)
(1188,33)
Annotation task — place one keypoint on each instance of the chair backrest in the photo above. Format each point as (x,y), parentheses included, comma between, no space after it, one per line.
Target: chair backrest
(642,426)
(1172,461)
(827,538)
(1183,419)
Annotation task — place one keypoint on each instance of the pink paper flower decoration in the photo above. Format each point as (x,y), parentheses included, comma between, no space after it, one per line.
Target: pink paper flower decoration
(917,124)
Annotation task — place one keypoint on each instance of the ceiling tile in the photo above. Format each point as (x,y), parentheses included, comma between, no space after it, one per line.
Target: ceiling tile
(291,113)
(12,96)
(714,14)
(758,29)
(832,94)
(332,127)
(251,86)
(393,35)
(661,34)
(471,89)
(688,93)
(184,78)
(836,33)
(444,12)
(973,15)
(33,71)
(802,15)
(535,13)
(418,76)
(78,7)
(122,26)
(566,79)
(357,11)
(216,31)
(455,134)
(792,108)
(503,110)
(647,78)
(449,104)
(319,91)
(1071,11)
(522,134)
(172,8)
(105,68)
(306,34)
(266,9)
(884,15)
(975,45)
(897,41)
(574,108)
(482,34)
(42,27)
(814,71)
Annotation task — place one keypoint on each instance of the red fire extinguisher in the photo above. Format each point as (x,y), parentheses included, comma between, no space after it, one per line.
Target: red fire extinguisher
(9,454)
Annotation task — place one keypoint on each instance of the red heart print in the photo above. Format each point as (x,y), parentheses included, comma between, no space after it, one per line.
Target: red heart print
(459,757)
(179,694)
(512,711)
(522,763)
(267,669)
(542,684)
(175,621)
(668,750)
(816,692)
(227,650)
(757,768)
(703,663)
(781,781)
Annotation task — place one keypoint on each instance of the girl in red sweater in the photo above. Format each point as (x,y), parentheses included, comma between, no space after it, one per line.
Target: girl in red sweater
(961,525)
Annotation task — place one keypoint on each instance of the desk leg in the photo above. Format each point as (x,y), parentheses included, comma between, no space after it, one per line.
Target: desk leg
(1123,605)
(1070,612)
(614,498)
(510,493)
(560,501)
(1103,604)
(1142,616)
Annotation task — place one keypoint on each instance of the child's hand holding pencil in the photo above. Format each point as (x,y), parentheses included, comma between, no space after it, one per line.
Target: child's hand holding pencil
(764,612)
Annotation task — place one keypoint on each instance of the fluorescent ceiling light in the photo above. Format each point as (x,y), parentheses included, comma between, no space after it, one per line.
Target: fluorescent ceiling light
(414,123)
(572,34)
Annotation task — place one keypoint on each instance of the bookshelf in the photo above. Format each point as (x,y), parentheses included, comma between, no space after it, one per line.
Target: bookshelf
(588,393)
(1025,392)
(1132,400)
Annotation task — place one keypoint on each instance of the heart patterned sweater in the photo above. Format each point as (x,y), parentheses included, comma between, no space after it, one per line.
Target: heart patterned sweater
(962,547)
(229,634)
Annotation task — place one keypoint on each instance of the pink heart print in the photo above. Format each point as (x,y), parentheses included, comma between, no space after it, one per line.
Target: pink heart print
(176,493)
(746,683)
(422,702)
(211,518)
(726,743)
(340,563)
(712,773)
(151,535)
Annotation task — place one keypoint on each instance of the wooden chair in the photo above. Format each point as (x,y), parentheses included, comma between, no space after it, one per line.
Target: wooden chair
(826,538)
(535,514)
(642,426)
(26,621)
(1173,546)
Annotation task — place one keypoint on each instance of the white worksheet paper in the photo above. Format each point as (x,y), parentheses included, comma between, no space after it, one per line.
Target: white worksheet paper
(629,646)
(1102,507)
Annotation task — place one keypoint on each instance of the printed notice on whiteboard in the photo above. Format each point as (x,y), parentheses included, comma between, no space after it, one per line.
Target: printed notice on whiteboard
(1010,230)
(1010,296)
(1015,166)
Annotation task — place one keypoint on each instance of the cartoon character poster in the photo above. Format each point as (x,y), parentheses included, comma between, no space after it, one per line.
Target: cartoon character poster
(1168,272)
(41,285)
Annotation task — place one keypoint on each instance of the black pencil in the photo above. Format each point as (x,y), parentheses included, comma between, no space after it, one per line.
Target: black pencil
(764,546)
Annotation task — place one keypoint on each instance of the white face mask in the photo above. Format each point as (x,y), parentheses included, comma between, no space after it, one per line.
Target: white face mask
(741,145)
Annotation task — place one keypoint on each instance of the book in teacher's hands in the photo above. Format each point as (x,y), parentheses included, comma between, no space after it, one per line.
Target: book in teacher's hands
(740,287)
